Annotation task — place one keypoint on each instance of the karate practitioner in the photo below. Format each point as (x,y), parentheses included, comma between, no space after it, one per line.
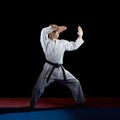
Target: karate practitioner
(53,69)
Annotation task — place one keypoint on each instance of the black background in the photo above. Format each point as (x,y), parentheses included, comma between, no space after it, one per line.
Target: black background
(95,63)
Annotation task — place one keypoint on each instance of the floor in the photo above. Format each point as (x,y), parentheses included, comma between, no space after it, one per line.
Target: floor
(59,102)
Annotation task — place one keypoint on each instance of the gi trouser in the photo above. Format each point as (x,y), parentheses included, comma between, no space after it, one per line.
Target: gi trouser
(72,84)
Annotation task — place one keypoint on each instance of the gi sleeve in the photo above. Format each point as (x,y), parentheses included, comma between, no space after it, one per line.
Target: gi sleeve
(73,45)
(44,35)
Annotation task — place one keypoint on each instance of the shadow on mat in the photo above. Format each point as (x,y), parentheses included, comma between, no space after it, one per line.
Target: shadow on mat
(28,109)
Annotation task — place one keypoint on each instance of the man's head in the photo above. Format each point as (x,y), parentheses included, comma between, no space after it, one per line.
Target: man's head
(55,34)
(56,31)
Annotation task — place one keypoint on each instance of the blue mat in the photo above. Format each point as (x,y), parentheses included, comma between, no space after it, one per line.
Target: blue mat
(60,114)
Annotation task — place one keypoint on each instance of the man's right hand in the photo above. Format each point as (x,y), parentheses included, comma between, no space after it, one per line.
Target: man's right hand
(80,32)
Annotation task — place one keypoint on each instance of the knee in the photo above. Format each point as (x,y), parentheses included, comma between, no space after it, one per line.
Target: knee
(77,83)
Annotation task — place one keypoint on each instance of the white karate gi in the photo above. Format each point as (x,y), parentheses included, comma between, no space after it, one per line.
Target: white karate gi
(54,52)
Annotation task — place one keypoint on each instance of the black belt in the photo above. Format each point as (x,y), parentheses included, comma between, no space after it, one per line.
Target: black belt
(55,65)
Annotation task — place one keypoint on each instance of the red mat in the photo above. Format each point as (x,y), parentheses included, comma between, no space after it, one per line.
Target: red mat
(59,102)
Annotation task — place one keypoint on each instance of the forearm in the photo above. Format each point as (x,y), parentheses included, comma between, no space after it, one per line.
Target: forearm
(73,45)
(45,31)
(79,40)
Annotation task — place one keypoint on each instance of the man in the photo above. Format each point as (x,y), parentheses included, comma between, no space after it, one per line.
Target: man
(53,69)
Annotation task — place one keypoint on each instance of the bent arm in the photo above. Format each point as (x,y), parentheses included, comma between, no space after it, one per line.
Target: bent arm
(44,36)
(44,33)
(73,45)
(69,46)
